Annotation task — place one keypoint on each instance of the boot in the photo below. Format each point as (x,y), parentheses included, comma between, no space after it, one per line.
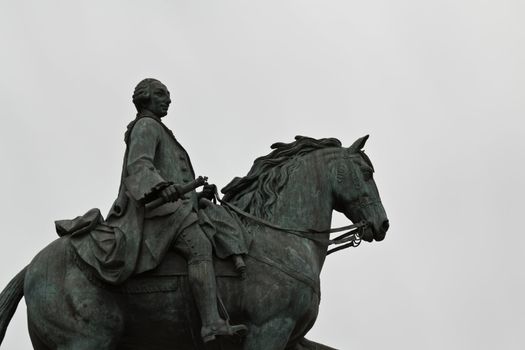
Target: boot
(204,288)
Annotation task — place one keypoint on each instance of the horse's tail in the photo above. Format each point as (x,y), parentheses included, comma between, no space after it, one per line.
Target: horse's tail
(9,299)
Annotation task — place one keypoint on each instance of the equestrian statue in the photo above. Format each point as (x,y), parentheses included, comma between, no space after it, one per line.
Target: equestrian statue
(173,268)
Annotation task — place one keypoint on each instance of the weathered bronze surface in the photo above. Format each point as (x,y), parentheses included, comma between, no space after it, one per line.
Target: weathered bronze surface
(122,283)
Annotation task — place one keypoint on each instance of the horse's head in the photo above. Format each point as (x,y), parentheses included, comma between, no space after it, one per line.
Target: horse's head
(355,191)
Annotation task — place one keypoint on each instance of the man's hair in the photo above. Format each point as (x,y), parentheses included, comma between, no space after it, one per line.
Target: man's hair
(141,95)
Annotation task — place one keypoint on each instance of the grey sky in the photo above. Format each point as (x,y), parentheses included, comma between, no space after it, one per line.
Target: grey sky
(439,85)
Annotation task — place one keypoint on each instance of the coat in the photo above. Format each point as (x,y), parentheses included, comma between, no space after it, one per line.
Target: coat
(133,239)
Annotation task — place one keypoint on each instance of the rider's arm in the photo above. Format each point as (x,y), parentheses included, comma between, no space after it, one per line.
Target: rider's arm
(143,178)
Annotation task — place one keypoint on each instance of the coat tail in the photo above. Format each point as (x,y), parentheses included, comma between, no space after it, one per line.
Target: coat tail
(9,299)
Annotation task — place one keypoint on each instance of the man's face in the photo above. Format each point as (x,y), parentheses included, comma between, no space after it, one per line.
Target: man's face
(159,99)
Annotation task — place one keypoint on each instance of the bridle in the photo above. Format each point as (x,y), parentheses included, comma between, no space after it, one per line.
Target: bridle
(351,238)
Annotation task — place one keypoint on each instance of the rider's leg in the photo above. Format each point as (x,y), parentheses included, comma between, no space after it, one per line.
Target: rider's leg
(194,245)
(201,275)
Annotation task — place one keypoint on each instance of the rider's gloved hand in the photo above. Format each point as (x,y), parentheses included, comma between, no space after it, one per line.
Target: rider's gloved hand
(208,192)
(169,193)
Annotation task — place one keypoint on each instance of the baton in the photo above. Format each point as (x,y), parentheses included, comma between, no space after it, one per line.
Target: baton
(181,191)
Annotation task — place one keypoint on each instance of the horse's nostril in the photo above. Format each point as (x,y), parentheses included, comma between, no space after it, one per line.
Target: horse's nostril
(385,225)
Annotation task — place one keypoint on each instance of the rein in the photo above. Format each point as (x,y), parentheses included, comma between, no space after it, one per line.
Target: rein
(351,238)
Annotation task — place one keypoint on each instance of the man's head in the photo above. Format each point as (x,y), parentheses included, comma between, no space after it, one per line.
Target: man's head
(150,94)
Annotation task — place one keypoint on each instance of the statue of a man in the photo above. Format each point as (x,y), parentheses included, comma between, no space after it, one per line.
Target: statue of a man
(154,164)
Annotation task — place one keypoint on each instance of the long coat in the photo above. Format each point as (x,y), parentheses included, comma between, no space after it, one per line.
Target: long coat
(133,239)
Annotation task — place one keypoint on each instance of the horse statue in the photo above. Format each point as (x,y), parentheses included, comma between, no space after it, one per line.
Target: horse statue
(286,203)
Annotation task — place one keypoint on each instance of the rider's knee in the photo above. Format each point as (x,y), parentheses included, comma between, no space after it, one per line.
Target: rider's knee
(201,250)
(197,246)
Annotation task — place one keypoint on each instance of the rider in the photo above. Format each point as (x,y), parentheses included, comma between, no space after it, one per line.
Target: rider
(154,164)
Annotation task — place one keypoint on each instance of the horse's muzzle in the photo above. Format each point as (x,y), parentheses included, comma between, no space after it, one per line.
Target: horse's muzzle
(375,232)
(380,232)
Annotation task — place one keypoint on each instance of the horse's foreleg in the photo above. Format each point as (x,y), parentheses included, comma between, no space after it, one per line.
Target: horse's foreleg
(272,335)
(305,344)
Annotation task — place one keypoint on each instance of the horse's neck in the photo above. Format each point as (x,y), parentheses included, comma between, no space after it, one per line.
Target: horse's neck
(306,203)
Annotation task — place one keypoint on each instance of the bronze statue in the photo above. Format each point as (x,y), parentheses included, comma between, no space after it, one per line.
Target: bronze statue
(116,283)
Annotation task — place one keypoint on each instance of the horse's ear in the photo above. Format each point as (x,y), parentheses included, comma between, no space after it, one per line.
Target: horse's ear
(359,144)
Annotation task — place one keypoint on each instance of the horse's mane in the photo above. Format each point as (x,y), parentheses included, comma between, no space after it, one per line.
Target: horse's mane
(257,192)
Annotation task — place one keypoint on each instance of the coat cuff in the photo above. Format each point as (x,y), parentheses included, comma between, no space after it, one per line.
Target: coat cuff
(143,184)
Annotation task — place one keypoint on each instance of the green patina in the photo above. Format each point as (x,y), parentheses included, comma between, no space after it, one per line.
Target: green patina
(298,184)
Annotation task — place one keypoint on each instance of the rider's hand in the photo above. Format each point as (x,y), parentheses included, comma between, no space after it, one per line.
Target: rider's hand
(208,192)
(169,193)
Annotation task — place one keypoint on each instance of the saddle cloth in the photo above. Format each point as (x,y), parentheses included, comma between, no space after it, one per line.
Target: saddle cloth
(103,244)
(175,265)
(169,276)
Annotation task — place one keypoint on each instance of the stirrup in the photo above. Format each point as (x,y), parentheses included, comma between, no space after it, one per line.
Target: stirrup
(210,333)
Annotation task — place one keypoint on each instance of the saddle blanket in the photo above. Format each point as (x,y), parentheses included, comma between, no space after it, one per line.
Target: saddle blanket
(175,265)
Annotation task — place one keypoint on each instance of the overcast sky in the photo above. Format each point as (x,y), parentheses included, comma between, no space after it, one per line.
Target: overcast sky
(439,86)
